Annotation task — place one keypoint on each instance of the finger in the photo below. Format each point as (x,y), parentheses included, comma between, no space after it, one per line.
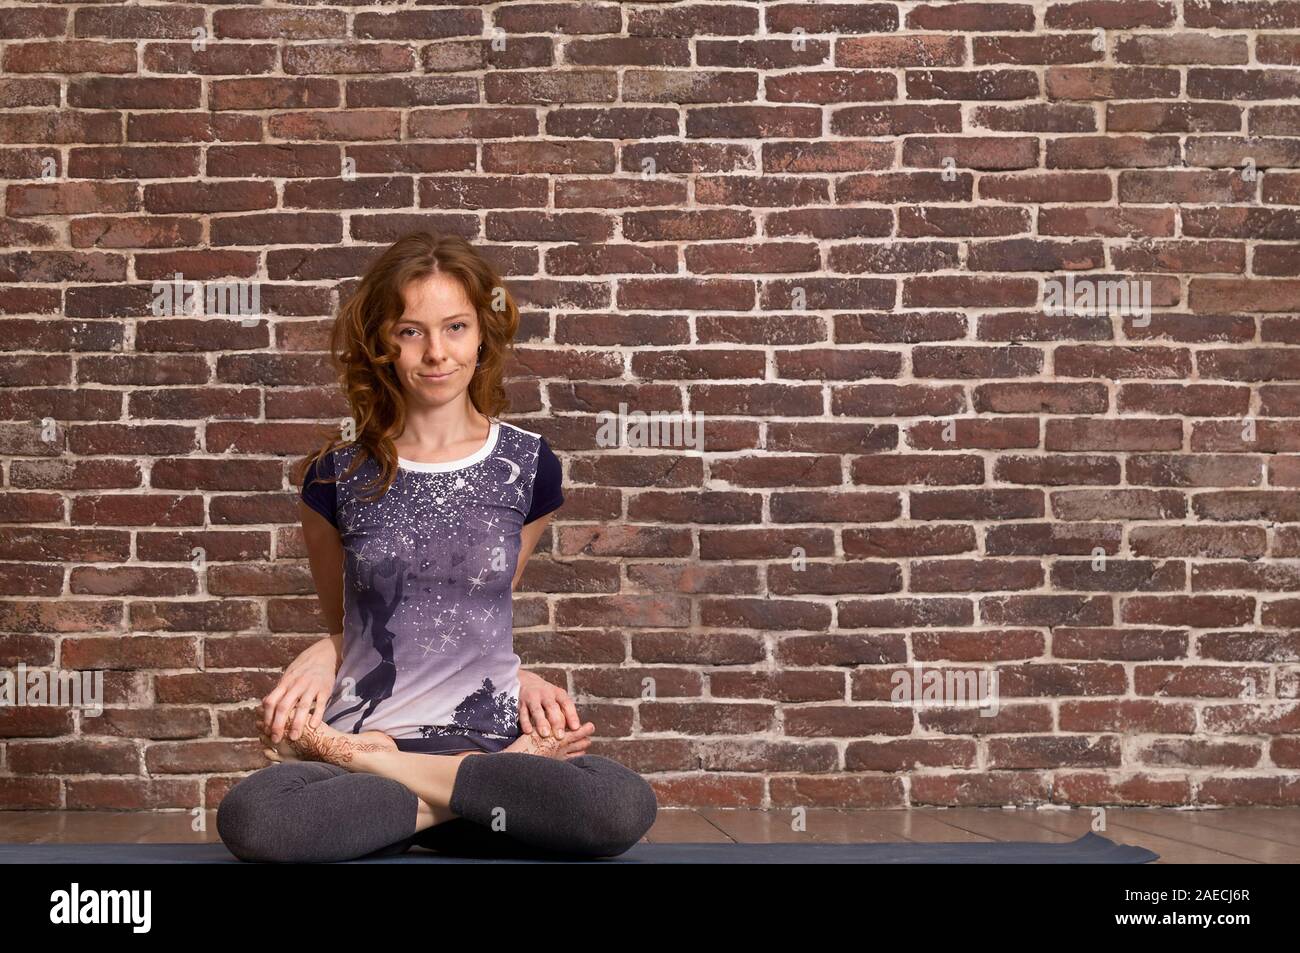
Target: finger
(273,713)
(276,728)
(305,711)
(556,716)
(295,727)
(269,702)
(525,724)
(571,711)
(318,715)
(283,710)
(578,749)
(539,717)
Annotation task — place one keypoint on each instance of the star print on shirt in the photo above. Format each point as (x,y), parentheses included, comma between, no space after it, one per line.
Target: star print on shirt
(428,633)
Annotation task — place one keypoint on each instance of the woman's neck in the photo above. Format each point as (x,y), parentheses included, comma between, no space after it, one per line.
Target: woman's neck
(442,431)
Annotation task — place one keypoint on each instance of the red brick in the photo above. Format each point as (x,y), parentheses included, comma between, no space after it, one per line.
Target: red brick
(839,260)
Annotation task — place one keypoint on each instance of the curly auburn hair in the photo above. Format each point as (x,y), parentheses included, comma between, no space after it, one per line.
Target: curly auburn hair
(363,356)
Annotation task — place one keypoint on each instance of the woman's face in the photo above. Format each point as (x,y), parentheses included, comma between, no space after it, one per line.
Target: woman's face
(439,337)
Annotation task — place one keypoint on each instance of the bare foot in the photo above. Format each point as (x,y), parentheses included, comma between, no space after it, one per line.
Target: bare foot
(570,746)
(324,743)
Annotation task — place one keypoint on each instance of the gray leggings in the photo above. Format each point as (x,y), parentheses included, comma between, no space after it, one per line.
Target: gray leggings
(312,812)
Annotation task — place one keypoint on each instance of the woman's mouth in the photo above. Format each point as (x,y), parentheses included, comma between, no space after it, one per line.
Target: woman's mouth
(436,377)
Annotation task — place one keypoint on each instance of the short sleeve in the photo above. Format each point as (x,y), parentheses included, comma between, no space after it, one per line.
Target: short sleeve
(547,492)
(321,497)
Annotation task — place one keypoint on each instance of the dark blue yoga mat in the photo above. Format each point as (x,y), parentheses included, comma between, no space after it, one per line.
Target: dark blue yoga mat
(1091,848)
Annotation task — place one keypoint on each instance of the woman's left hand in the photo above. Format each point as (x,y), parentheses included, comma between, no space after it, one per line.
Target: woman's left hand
(543,706)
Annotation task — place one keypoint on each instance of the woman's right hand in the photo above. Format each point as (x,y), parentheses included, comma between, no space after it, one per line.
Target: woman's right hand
(306,685)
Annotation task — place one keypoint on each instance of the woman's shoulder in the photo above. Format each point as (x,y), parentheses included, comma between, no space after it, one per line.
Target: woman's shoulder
(518,429)
(524,444)
(318,465)
(543,468)
(335,463)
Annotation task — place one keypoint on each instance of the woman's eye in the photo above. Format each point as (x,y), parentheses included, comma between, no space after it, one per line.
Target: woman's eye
(403,331)
(460,324)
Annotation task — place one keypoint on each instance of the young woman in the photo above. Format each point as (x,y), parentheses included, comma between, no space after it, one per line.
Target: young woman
(412,722)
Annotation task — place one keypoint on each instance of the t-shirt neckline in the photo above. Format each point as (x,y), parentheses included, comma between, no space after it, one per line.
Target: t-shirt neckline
(448,465)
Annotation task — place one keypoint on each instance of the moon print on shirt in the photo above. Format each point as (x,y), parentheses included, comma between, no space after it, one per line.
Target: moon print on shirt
(430,646)
(514,469)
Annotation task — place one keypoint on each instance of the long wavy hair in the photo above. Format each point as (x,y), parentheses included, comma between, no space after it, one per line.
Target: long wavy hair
(363,355)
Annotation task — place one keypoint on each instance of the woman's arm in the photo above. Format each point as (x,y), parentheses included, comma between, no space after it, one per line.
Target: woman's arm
(309,679)
(325,553)
(543,708)
(528,537)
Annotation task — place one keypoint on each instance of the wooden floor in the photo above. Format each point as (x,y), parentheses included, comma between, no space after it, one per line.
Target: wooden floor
(1249,835)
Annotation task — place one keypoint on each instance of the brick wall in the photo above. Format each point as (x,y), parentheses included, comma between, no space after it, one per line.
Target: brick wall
(830,229)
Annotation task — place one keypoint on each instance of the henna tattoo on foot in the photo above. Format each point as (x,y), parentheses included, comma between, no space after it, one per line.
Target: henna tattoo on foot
(335,748)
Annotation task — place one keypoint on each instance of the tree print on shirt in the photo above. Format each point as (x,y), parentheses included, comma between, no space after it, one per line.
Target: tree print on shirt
(483,710)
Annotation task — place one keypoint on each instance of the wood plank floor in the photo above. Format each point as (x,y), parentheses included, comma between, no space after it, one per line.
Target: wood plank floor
(1247,835)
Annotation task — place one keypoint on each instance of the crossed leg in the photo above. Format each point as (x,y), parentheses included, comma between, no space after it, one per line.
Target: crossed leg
(313,812)
(384,800)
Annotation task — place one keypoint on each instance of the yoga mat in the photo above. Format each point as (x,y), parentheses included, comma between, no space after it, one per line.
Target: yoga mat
(1091,848)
